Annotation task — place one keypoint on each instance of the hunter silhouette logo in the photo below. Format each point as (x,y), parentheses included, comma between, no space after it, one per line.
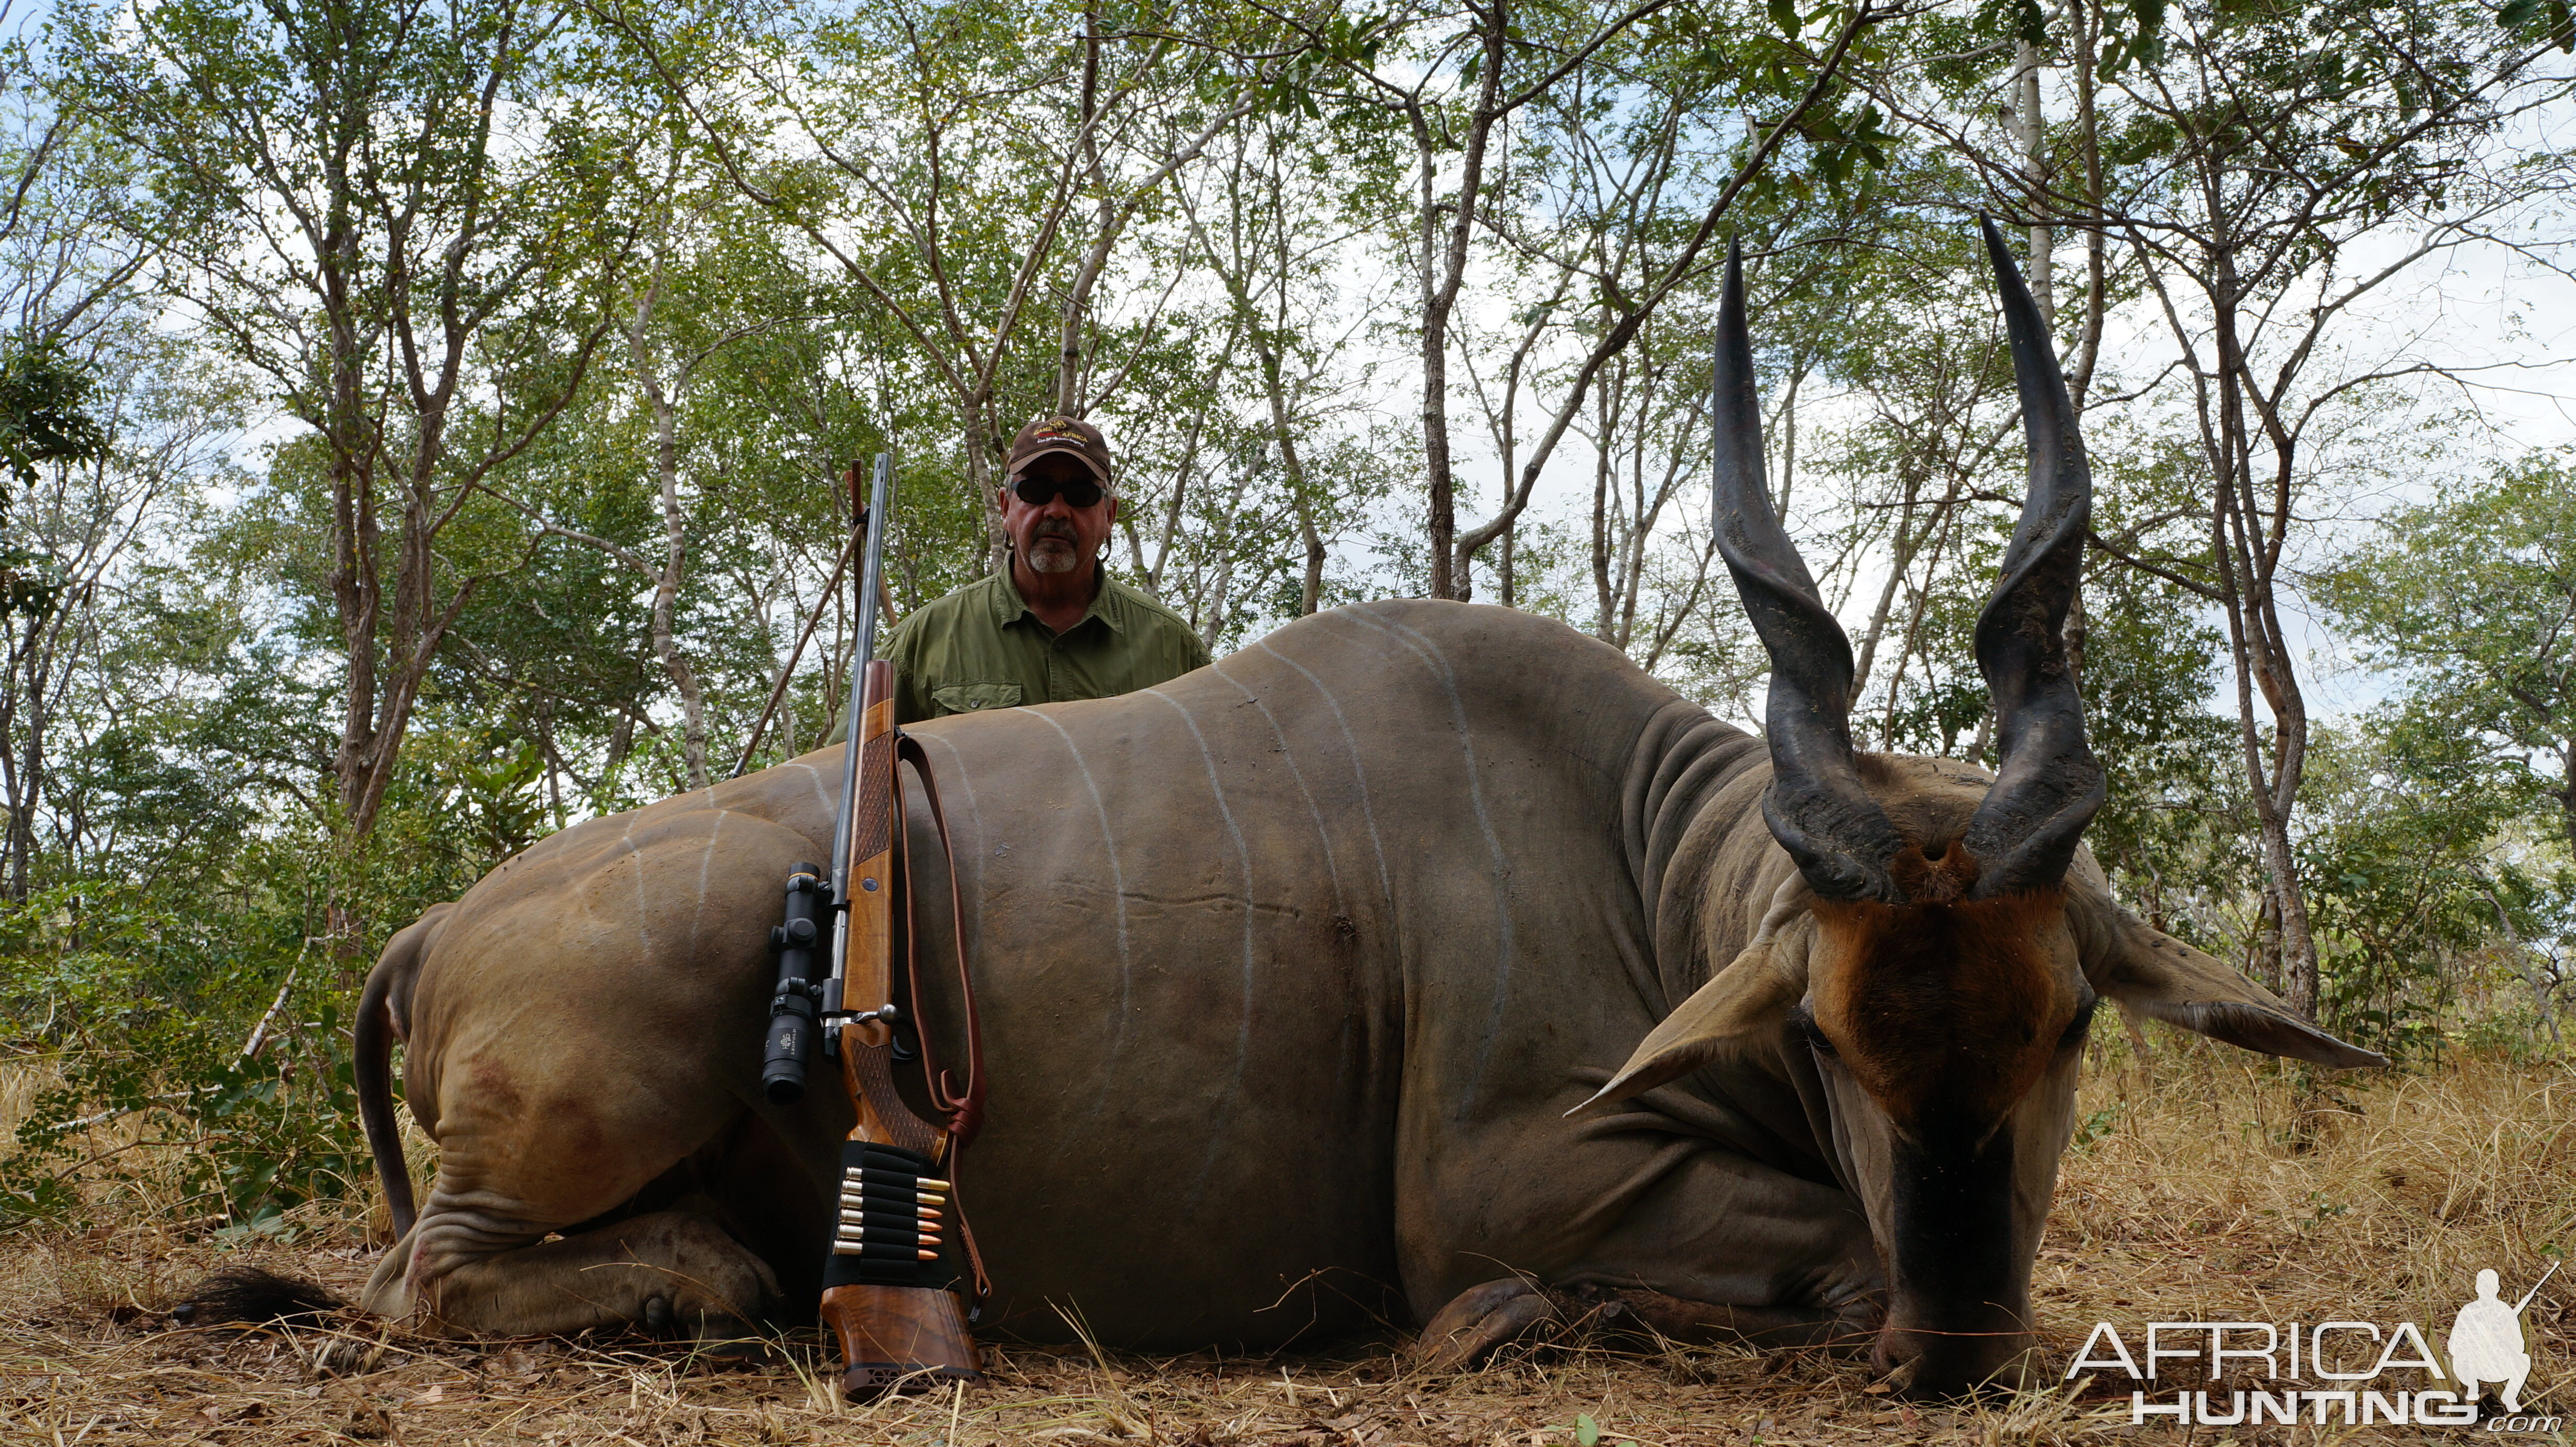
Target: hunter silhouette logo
(2486,1341)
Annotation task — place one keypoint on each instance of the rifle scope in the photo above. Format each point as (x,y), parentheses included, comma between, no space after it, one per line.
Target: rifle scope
(790,1047)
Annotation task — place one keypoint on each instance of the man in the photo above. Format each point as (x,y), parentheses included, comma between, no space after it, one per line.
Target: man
(1053,625)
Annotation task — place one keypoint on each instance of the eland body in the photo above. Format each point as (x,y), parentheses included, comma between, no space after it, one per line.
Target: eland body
(1299,973)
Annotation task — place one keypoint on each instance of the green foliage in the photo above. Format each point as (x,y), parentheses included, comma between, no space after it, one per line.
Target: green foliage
(1587,1432)
(45,411)
(149,996)
(2548,21)
(45,417)
(2415,868)
(2446,836)
(2467,602)
(144,993)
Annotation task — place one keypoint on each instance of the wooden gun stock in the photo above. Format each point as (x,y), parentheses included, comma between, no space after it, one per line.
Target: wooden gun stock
(894,1336)
(868,972)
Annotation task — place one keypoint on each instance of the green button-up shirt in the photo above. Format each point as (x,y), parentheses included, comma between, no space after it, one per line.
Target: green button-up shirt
(980,647)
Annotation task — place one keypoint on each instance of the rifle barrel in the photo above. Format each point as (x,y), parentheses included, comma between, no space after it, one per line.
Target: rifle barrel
(2535,1286)
(868,524)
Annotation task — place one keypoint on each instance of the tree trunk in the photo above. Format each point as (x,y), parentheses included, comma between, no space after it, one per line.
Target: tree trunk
(2088,132)
(1444,270)
(1312,591)
(23,769)
(1605,629)
(2030,126)
(2247,539)
(1068,376)
(2566,795)
(675,554)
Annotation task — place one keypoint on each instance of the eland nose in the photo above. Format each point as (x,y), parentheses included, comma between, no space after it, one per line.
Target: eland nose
(1930,1363)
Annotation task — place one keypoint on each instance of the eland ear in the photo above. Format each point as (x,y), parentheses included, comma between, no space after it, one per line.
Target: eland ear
(2158,976)
(1741,1006)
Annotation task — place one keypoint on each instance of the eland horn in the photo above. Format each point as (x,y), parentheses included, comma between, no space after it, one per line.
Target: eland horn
(1817,807)
(2024,833)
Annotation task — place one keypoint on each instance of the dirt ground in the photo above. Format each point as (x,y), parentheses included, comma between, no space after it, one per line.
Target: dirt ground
(2202,1187)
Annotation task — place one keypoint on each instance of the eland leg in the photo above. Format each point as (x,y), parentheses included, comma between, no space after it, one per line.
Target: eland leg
(617,1178)
(580,1050)
(1484,1319)
(665,1271)
(1675,1239)
(480,1261)
(1481,1320)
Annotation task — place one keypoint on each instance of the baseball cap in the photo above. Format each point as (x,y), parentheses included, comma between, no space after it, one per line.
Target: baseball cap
(1069,435)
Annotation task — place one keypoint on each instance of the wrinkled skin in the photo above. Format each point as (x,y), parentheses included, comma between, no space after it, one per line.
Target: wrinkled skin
(1291,972)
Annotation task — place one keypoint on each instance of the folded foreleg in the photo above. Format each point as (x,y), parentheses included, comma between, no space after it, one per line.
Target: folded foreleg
(669,1270)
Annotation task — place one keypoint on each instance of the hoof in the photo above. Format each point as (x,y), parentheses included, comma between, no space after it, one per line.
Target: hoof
(1480,1319)
(867,1381)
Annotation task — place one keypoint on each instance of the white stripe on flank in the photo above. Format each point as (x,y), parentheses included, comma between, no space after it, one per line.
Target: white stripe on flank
(822,795)
(1430,653)
(1359,771)
(1243,1025)
(643,898)
(1332,871)
(1109,845)
(1118,887)
(706,863)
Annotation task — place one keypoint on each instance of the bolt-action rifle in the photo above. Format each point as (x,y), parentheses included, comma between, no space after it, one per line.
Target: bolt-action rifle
(889,1284)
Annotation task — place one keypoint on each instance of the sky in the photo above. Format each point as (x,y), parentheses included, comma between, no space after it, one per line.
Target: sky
(2498,316)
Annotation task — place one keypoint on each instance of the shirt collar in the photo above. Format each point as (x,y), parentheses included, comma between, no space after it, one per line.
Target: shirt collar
(1106,605)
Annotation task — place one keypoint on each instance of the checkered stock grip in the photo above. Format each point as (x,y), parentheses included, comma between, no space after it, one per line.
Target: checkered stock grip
(872,820)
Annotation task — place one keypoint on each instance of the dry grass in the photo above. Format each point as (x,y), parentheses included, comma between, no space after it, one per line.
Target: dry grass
(2208,1190)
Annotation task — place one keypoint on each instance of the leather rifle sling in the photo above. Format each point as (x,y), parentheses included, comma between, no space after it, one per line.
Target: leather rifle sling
(964,1109)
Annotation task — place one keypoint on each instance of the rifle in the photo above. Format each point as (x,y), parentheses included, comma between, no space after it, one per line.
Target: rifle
(2535,1287)
(886,1294)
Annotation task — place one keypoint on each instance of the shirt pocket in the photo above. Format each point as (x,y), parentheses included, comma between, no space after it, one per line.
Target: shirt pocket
(974,697)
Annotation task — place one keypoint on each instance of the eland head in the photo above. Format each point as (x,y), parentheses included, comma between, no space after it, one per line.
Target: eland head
(1931,969)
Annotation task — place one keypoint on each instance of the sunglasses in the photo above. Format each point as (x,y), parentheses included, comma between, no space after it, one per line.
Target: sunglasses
(1039,491)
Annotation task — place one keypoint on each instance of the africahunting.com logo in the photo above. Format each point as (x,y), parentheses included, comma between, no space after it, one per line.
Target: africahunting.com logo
(2484,1349)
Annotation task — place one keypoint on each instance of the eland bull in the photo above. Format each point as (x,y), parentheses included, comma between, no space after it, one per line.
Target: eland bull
(1299,973)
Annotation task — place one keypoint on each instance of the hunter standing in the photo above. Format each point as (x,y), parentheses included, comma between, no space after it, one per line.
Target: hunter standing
(1052,625)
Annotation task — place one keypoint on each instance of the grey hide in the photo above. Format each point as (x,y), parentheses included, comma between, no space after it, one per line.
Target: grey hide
(1291,971)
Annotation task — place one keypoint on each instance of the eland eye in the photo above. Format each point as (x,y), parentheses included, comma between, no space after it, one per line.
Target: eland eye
(2080,1026)
(1816,1040)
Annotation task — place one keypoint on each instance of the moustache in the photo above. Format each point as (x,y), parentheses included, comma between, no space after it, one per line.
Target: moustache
(1054,528)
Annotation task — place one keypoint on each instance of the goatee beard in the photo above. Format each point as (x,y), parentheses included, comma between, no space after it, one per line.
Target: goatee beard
(1053,555)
